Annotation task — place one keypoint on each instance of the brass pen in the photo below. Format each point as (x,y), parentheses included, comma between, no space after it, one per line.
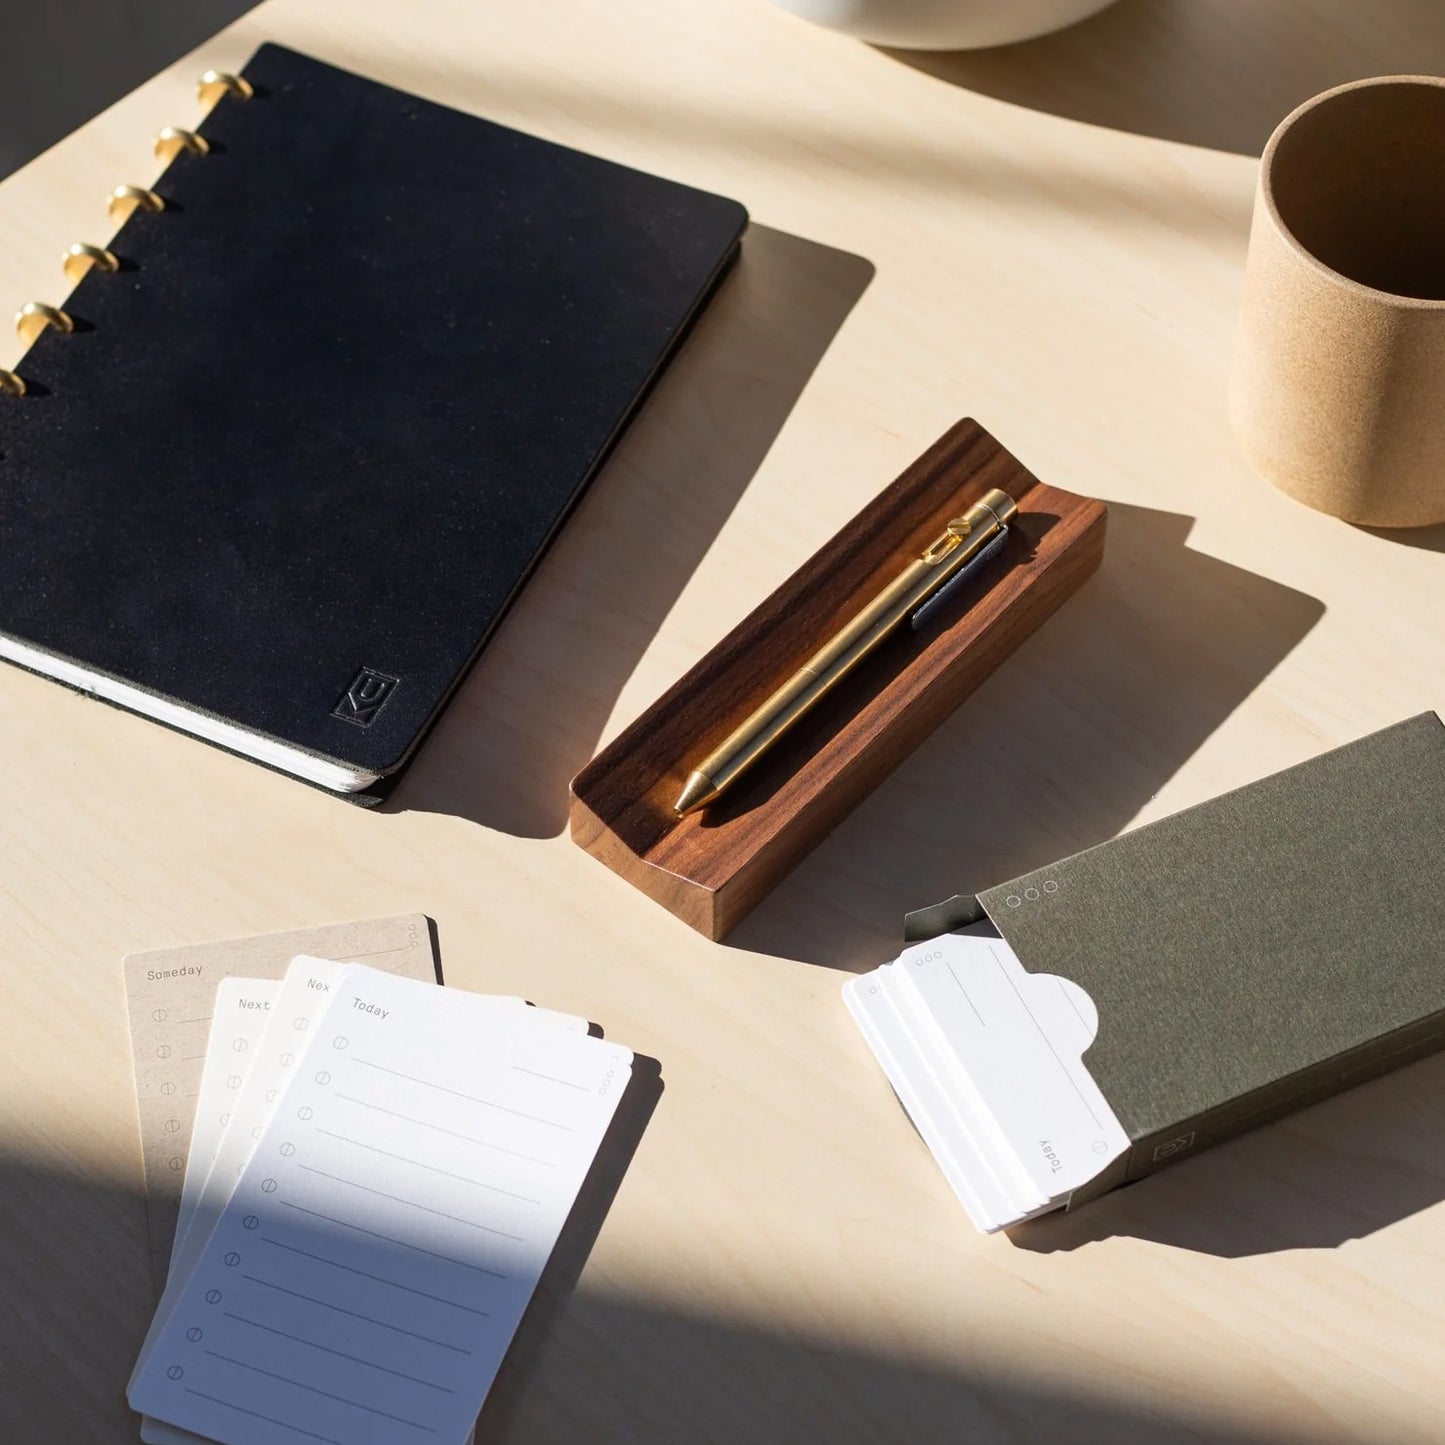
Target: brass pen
(969,540)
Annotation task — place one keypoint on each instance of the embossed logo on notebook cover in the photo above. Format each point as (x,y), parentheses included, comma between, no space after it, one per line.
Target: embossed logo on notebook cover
(365,698)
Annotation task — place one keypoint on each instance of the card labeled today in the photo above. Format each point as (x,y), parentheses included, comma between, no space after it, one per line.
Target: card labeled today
(365,1278)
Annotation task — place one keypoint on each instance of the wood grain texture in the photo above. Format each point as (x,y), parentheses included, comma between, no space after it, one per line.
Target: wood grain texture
(712,867)
(1051,239)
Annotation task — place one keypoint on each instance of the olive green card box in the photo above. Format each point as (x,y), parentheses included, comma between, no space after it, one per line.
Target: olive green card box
(1250,955)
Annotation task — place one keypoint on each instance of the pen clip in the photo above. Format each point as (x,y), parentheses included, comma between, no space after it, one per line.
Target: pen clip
(960,580)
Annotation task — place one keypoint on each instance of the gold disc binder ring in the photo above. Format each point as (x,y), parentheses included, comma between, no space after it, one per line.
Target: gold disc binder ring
(81,257)
(129,198)
(216,83)
(173,140)
(35,316)
(10,384)
(126,199)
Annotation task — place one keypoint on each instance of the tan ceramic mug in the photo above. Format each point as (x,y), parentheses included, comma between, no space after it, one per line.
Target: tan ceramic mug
(1337,394)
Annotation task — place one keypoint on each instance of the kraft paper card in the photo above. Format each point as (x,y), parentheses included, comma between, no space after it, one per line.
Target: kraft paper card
(171,996)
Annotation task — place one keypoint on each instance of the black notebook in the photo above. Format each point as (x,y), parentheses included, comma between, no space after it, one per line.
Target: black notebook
(301,450)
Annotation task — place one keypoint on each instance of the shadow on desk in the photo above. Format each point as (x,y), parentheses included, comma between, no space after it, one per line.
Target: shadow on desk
(1427,539)
(74,1309)
(677,1377)
(533,709)
(1337,1171)
(1200,71)
(595,1364)
(1060,749)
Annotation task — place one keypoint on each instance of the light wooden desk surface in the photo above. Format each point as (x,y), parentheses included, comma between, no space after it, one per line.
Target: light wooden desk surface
(1049,239)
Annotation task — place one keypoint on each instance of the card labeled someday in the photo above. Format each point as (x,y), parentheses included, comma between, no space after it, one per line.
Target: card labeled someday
(171,998)
(1196,977)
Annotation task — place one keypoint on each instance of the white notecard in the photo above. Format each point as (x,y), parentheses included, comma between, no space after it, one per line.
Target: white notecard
(300,999)
(1019,1037)
(242,1012)
(365,1280)
(989,1148)
(297,1002)
(919,1092)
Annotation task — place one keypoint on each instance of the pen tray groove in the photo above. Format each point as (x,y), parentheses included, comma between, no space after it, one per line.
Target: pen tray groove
(711,867)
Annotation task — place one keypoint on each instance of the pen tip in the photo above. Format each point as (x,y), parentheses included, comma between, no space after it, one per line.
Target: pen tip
(696,792)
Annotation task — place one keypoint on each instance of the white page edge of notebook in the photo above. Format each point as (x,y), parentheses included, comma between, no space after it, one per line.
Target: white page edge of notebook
(307,766)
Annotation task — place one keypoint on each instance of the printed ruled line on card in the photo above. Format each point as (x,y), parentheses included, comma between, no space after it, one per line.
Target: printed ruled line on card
(551,1079)
(392,1239)
(257,1415)
(965,993)
(380,1279)
(1048,1042)
(450,1133)
(470,1098)
(316,1390)
(1069,999)
(405,1159)
(331,1289)
(340,1354)
(368,1319)
(410,1203)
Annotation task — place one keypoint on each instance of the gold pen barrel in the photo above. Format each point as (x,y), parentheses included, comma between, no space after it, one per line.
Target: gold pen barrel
(942,560)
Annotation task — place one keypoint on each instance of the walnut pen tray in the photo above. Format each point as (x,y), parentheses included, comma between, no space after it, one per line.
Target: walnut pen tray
(711,867)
